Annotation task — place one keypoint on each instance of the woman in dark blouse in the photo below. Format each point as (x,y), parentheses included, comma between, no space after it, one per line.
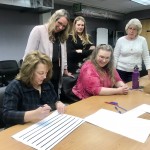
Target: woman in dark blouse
(79,45)
(31,96)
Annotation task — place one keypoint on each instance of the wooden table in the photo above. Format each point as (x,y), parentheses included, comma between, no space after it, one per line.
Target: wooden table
(88,136)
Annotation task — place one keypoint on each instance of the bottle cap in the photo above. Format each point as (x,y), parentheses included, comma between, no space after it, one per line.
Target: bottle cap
(136,67)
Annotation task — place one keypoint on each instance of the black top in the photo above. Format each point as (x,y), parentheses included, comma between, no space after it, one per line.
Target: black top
(56,61)
(19,98)
(74,58)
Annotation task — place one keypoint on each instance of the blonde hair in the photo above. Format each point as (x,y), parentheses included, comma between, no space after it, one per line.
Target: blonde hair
(26,73)
(85,36)
(136,23)
(63,35)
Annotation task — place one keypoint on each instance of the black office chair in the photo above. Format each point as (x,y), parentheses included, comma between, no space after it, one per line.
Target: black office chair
(66,92)
(8,70)
(2,91)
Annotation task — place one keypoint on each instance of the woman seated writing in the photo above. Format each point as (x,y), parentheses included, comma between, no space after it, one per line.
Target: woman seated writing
(98,75)
(31,96)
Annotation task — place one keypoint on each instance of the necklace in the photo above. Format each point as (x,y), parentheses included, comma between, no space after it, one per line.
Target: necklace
(131,46)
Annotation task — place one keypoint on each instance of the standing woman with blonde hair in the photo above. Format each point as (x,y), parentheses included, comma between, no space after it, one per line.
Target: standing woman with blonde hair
(130,50)
(79,45)
(50,39)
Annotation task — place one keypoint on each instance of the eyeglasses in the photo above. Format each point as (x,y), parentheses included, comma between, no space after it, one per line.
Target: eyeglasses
(61,24)
(133,29)
(104,58)
(102,44)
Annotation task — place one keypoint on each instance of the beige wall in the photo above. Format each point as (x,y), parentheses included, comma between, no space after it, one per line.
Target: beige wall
(145,29)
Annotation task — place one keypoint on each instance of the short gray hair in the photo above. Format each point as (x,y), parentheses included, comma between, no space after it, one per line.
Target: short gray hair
(135,22)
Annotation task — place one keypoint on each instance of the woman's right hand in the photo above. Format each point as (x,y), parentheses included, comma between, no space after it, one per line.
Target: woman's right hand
(38,114)
(42,112)
(92,47)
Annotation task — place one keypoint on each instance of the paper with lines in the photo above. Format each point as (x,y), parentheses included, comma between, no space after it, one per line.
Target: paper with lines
(45,134)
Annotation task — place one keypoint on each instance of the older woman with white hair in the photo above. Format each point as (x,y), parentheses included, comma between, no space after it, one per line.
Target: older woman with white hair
(130,50)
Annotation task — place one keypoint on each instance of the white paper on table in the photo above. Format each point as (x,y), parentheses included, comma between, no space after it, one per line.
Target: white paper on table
(135,128)
(144,108)
(45,134)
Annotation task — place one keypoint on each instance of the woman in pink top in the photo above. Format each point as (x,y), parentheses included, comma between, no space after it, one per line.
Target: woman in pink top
(98,75)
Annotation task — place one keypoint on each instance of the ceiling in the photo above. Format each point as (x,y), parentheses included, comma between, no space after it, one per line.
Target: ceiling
(119,6)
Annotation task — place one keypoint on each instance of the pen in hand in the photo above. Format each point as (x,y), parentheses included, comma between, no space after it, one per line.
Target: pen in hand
(41,112)
(46,107)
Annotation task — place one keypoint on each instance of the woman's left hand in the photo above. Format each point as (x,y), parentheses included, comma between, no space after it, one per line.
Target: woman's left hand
(60,107)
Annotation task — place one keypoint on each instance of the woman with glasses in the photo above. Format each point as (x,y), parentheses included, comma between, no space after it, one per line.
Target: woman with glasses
(31,96)
(98,75)
(130,50)
(50,39)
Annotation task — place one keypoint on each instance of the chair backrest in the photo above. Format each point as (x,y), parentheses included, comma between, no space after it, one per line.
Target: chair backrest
(8,70)
(66,91)
(2,92)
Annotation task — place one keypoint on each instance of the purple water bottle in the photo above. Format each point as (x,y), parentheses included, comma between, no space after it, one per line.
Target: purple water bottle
(135,78)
